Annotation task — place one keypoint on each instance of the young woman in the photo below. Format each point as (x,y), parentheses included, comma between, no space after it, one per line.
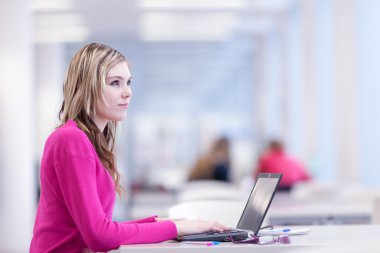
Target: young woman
(79,177)
(275,159)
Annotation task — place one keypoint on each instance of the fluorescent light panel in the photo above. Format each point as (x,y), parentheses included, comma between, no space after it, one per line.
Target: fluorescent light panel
(256,26)
(51,5)
(192,4)
(60,27)
(58,20)
(174,26)
(68,34)
(270,5)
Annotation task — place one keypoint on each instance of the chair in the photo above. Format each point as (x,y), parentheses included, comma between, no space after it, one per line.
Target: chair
(376,211)
(359,194)
(227,212)
(209,190)
(315,191)
(202,184)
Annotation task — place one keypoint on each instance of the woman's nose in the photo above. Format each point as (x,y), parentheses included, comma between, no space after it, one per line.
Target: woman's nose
(127,92)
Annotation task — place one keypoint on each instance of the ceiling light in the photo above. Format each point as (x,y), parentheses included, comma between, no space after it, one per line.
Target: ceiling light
(193,27)
(60,27)
(68,34)
(51,5)
(192,4)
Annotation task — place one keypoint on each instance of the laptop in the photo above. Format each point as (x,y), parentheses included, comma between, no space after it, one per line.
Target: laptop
(253,215)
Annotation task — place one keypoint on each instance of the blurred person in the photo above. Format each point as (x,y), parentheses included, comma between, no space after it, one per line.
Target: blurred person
(276,160)
(215,165)
(78,173)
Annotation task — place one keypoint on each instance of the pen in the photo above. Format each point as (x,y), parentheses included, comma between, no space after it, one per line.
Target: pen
(281,230)
(277,230)
(208,243)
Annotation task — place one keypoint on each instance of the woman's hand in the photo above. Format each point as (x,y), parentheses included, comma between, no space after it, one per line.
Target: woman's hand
(185,227)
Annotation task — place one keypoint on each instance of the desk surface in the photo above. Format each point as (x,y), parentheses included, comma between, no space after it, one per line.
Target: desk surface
(287,210)
(326,239)
(321,213)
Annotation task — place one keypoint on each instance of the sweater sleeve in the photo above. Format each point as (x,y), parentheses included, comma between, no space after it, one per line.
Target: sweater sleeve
(77,179)
(143,220)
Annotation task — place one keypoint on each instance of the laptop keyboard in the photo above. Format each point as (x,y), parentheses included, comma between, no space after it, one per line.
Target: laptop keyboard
(224,232)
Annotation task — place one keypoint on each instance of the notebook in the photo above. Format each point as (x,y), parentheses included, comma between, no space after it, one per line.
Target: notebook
(253,215)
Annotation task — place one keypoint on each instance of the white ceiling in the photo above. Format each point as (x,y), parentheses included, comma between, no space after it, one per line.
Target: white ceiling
(193,53)
(153,20)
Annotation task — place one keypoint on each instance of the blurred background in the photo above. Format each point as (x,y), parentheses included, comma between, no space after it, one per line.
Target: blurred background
(303,71)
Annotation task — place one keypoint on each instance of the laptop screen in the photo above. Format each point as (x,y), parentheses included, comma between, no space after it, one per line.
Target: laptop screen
(259,202)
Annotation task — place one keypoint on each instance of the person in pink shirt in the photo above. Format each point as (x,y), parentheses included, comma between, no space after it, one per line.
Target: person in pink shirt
(275,160)
(78,175)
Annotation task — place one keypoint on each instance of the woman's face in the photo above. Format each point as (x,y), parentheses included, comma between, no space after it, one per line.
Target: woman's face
(117,94)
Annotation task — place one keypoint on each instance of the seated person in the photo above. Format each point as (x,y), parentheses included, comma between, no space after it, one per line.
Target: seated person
(275,160)
(79,176)
(215,165)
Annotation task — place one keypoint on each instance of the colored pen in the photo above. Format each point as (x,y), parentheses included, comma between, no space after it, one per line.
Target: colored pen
(281,230)
(208,243)
(276,230)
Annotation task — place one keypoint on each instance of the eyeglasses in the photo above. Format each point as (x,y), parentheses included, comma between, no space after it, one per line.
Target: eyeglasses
(263,240)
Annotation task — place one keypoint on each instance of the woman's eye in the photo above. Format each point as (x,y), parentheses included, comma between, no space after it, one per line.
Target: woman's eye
(116,82)
(129,82)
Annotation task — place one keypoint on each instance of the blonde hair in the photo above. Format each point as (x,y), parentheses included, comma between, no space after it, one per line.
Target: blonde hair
(82,90)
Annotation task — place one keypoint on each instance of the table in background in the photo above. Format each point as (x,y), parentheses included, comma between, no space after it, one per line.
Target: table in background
(286,210)
(325,239)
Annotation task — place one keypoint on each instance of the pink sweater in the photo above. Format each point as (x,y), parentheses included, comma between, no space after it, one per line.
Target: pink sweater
(77,199)
(279,162)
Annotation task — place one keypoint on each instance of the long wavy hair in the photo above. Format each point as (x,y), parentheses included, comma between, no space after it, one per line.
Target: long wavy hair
(83,88)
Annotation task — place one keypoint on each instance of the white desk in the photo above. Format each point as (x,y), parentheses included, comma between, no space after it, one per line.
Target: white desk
(287,210)
(325,239)
(320,214)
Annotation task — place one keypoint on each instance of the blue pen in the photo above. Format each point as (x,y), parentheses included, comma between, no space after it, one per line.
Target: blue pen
(213,243)
(279,230)
(208,243)
(270,231)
